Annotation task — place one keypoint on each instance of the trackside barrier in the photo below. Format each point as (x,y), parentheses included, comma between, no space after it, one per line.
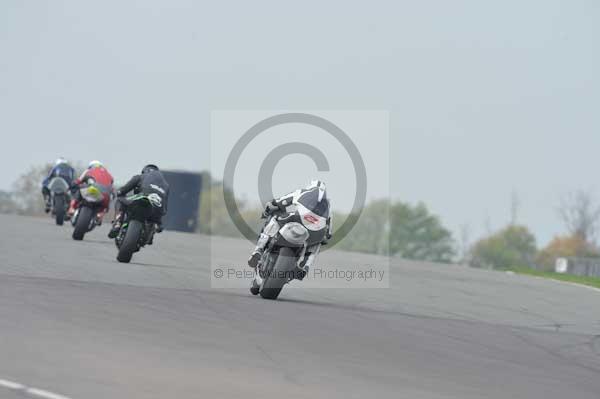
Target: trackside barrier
(586,267)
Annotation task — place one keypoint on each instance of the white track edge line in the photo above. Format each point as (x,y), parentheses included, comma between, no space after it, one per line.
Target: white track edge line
(39,393)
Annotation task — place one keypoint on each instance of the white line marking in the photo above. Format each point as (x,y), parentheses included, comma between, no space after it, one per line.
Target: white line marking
(40,393)
(36,392)
(11,385)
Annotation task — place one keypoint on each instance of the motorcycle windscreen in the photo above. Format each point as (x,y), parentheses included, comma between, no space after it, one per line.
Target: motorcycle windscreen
(310,200)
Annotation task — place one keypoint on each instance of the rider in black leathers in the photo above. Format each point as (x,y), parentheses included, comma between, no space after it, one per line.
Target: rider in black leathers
(148,182)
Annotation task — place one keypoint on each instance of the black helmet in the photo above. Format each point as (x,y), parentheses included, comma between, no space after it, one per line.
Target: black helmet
(149,168)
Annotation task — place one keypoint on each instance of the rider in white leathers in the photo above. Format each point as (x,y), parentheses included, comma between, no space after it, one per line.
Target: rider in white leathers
(288,204)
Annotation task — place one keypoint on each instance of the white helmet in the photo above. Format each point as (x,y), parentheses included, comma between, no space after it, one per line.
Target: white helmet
(320,185)
(95,164)
(59,161)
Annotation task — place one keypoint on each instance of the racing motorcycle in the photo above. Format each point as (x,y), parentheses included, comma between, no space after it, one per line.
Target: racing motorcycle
(59,198)
(282,259)
(84,219)
(136,229)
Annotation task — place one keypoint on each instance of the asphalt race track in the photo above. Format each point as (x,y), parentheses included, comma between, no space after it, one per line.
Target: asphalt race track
(74,322)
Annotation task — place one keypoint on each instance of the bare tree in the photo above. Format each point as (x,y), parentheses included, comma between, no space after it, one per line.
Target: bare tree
(515,206)
(580,215)
(27,190)
(487,224)
(465,243)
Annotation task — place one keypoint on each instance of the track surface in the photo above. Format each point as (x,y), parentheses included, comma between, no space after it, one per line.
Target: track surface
(76,322)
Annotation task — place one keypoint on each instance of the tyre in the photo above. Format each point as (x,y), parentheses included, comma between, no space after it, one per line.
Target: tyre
(83,222)
(130,241)
(278,277)
(59,209)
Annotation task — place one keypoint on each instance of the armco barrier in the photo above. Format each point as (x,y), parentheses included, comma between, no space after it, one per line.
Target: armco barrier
(588,267)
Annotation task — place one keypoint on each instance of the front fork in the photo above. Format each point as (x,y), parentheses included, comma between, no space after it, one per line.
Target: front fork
(74,217)
(258,280)
(303,264)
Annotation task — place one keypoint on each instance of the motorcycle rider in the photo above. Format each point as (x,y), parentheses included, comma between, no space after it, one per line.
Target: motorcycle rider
(150,181)
(60,169)
(285,205)
(104,181)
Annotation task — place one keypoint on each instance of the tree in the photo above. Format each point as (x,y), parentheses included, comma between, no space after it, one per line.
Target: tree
(510,247)
(371,232)
(565,247)
(214,216)
(417,234)
(580,215)
(27,192)
(7,204)
(398,229)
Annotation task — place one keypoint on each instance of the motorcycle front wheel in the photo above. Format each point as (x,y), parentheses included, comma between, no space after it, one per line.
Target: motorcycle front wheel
(279,275)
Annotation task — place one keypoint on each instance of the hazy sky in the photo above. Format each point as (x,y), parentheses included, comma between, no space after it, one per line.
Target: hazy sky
(484,97)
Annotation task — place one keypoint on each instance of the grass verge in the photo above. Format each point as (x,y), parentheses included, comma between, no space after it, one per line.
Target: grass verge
(591,281)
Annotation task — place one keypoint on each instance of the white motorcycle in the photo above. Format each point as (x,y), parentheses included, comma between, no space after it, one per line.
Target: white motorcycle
(302,226)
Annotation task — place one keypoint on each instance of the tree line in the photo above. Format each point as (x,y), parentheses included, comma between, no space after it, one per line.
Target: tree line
(515,246)
(385,227)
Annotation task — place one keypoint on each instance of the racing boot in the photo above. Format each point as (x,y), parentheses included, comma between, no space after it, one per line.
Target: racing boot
(47,204)
(116,227)
(100,217)
(72,207)
(258,251)
(308,261)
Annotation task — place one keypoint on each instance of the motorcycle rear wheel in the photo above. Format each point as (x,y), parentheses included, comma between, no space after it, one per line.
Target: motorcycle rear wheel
(130,241)
(59,209)
(83,222)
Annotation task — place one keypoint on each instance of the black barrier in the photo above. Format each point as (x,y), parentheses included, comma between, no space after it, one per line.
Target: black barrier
(184,200)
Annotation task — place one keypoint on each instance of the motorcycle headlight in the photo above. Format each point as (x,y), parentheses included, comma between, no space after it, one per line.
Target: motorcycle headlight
(294,233)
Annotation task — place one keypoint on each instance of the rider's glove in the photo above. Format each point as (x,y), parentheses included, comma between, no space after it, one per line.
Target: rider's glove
(270,207)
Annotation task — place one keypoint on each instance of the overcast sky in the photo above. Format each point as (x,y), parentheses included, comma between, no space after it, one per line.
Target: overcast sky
(483,97)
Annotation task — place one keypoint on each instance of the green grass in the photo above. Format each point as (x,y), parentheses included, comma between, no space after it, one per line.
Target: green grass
(591,281)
